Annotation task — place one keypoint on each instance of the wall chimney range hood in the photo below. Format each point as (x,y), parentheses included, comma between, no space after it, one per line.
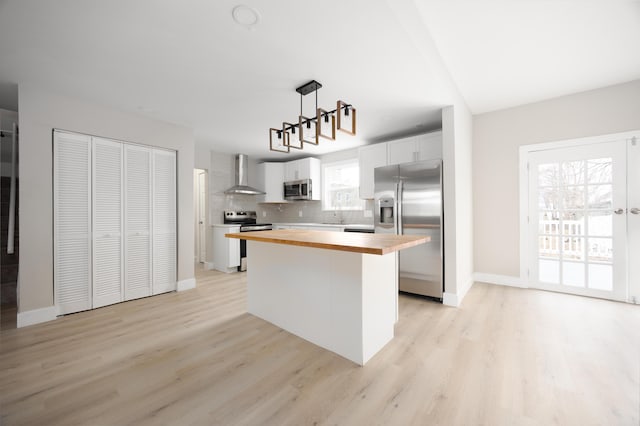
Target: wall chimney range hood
(242,178)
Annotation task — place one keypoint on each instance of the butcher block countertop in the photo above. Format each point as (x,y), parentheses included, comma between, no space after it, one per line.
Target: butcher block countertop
(342,241)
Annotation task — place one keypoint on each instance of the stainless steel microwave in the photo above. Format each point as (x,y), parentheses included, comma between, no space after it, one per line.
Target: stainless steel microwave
(296,190)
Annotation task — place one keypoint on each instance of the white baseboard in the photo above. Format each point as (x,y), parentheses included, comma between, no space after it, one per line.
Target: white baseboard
(187,284)
(208,266)
(36,316)
(455,299)
(505,280)
(450,299)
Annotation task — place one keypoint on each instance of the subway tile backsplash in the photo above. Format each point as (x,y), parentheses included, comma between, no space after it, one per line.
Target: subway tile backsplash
(311,212)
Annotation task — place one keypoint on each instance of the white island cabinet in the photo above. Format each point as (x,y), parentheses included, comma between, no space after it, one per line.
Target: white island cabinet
(334,289)
(226,252)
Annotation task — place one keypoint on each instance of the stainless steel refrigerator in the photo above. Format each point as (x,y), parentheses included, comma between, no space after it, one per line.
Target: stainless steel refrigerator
(408,201)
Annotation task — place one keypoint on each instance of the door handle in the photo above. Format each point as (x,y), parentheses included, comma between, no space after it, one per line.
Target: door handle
(618,211)
(635,210)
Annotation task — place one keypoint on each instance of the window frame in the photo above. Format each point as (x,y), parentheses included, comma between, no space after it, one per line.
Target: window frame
(325,186)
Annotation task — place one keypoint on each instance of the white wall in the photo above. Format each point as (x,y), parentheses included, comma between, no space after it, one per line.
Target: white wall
(40,112)
(458,202)
(497,137)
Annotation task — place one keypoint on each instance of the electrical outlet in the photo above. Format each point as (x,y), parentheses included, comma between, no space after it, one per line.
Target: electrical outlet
(368,213)
(299,213)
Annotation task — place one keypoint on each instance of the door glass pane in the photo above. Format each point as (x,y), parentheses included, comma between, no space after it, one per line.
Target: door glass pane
(573,172)
(600,196)
(601,277)
(600,224)
(573,248)
(549,198)
(549,223)
(573,197)
(549,247)
(599,170)
(573,223)
(548,175)
(600,249)
(573,274)
(549,271)
(572,200)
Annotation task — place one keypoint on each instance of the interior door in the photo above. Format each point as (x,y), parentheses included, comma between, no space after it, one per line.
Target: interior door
(633,217)
(578,220)
(164,221)
(137,249)
(107,222)
(202,214)
(71,222)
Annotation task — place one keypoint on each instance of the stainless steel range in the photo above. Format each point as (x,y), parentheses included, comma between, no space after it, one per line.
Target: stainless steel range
(248,222)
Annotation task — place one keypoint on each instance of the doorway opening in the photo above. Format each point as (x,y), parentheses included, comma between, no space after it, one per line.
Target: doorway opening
(200,210)
(9,247)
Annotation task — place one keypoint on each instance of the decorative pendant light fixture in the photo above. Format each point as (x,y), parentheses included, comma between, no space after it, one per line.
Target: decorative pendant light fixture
(310,129)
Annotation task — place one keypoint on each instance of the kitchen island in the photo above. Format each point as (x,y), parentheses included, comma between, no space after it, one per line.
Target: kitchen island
(336,290)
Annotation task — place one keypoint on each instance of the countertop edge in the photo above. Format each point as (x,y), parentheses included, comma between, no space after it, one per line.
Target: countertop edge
(329,246)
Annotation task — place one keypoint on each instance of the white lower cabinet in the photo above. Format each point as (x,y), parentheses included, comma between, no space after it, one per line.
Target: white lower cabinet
(114,221)
(226,251)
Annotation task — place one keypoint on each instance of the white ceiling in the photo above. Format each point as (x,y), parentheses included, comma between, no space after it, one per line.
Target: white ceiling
(513,52)
(187,62)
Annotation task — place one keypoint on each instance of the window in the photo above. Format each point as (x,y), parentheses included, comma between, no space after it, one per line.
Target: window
(340,186)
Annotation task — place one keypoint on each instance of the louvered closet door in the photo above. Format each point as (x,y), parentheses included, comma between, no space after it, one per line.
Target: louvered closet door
(107,222)
(164,221)
(71,222)
(137,222)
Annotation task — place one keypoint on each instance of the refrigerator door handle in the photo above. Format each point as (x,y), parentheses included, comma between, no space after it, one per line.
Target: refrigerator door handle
(399,194)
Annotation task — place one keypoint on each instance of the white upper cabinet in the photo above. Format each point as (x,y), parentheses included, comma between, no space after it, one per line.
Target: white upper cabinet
(370,157)
(274,175)
(415,148)
(305,168)
(430,146)
(271,178)
(402,151)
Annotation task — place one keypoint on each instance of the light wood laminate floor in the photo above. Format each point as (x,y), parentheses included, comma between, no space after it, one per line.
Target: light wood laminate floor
(506,357)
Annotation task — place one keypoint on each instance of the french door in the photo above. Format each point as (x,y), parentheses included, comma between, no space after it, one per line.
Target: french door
(583,228)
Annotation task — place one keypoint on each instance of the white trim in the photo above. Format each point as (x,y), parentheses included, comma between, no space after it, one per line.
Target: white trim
(187,284)
(450,299)
(524,215)
(504,280)
(36,316)
(209,266)
(569,143)
(455,299)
